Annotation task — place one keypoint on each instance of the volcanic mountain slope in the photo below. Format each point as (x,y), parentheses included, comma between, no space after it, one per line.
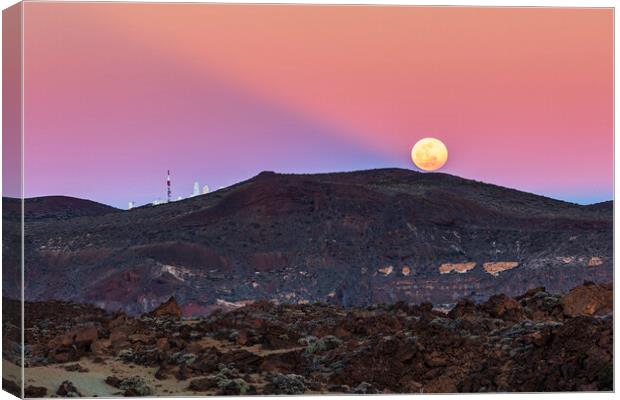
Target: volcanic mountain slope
(48,208)
(57,207)
(354,238)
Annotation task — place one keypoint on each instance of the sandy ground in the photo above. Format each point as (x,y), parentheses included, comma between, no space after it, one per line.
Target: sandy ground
(92,383)
(11,371)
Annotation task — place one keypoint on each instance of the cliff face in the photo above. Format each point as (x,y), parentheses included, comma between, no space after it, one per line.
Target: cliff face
(348,238)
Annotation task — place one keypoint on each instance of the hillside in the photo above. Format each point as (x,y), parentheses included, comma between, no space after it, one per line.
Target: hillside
(354,238)
(56,207)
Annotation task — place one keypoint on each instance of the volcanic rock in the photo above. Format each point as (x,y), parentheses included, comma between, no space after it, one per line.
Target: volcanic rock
(11,387)
(35,391)
(504,307)
(308,237)
(113,381)
(289,384)
(364,388)
(75,367)
(72,345)
(100,347)
(464,308)
(168,309)
(527,343)
(203,384)
(435,359)
(589,299)
(66,389)
(236,386)
(135,386)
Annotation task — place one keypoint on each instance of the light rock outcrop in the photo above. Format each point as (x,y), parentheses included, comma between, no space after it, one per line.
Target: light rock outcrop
(595,262)
(495,268)
(387,270)
(460,268)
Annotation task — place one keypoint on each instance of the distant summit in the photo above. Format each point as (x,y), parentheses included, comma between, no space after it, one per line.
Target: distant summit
(54,207)
(607,206)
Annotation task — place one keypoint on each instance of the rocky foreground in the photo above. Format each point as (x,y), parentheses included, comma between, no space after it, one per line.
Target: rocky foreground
(534,342)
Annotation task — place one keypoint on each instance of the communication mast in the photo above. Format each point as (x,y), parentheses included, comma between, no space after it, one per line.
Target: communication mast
(168,183)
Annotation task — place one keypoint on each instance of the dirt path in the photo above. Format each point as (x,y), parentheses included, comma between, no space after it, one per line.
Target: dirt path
(225,346)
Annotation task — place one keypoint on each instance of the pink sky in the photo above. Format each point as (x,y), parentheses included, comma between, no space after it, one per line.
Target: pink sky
(116,94)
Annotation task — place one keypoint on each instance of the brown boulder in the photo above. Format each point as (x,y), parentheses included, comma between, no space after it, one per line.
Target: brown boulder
(81,337)
(531,292)
(100,347)
(203,384)
(588,299)
(119,335)
(11,387)
(162,344)
(113,381)
(66,389)
(342,332)
(120,320)
(35,391)
(207,361)
(63,355)
(162,373)
(168,309)
(72,345)
(243,360)
(183,373)
(435,359)
(140,338)
(464,308)
(76,367)
(286,362)
(84,335)
(442,384)
(504,307)
(242,337)
(193,347)
(256,323)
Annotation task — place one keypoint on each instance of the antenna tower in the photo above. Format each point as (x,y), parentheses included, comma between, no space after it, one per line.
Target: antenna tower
(168,183)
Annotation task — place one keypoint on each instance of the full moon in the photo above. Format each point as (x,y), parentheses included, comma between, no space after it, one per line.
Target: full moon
(429,154)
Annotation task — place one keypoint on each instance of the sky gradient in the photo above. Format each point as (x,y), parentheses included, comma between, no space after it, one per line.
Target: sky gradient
(116,94)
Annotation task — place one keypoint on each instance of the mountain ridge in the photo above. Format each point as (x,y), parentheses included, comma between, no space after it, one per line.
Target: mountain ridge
(54,206)
(601,204)
(352,238)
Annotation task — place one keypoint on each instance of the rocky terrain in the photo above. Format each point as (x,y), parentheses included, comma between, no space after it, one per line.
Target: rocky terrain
(348,239)
(537,341)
